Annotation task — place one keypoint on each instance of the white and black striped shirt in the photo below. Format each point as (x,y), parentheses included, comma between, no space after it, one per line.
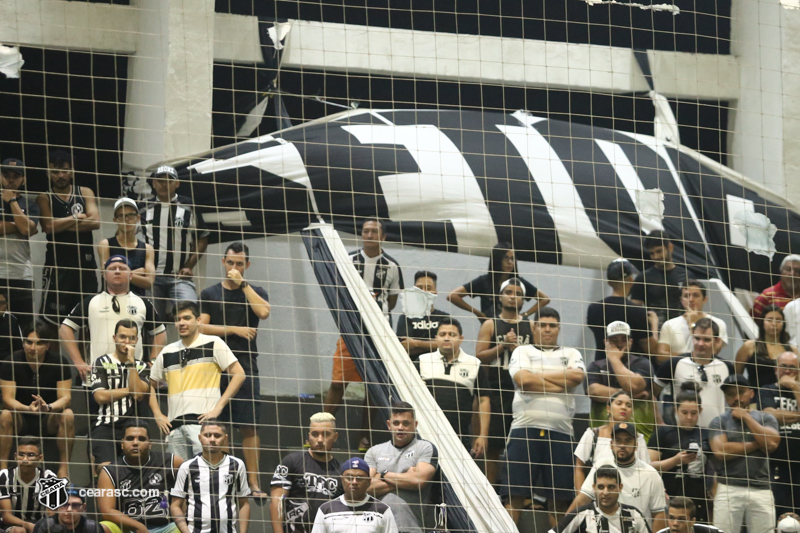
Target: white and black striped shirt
(24,496)
(382,275)
(590,519)
(108,373)
(370,515)
(212,493)
(172,229)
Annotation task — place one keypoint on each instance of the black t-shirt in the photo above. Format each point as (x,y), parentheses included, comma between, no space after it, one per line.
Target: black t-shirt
(43,383)
(310,484)
(772,396)
(660,290)
(481,287)
(137,502)
(424,328)
(86,525)
(601,314)
(10,335)
(230,308)
(685,480)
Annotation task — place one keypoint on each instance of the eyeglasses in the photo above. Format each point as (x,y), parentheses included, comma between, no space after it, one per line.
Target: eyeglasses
(32,455)
(115,304)
(73,505)
(127,217)
(703,375)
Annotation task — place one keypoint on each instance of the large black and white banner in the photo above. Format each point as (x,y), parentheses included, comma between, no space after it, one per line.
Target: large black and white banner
(462,181)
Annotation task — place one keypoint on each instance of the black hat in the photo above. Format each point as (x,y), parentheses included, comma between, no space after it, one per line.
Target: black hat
(624,427)
(620,269)
(737,380)
(14,165)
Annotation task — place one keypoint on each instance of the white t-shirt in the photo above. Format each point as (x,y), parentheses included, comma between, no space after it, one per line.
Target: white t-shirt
(681,369)
(545,410)
(791,316)
(678,335)
(602,449)
(642,487)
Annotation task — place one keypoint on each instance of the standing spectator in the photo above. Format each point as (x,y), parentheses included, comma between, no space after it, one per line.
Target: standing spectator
(19,502)
(10,331)
(19,225)
(93,312)
(212,485)
(69,215)
(756,358)
(701,367)
(641,485)
(781,401)
(676,335)
(486,287)
(178,237)
(125,243)
(70,517)
(120,385)
(454,379)
(232,310)
(294,500)
(621,370)
(595,444)
(677,451)
(606,510)
(384,280)
(658,288)
(36,389)
(355,511)
(418,334)
(140,469)
(682,518)
(540,444)
(783,292)
(497,340)
(192,368)
(403,471)
(619,308)
(741,439)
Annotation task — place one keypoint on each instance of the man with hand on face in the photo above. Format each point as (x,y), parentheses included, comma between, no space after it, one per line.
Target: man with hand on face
(606,514)
(19,502)
(455,379)
(306,479)
(192,368)
(682,518)
(418,334)
(355,511)
(676,333)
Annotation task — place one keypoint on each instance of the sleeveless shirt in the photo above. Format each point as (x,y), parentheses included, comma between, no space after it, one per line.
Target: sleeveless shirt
(136,256)
(70,248)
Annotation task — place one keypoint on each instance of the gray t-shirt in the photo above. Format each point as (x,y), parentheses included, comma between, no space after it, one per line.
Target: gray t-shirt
(417,514)
(750,471)
(15,249)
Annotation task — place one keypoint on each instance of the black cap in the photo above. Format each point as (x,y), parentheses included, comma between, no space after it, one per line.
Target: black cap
(737,380)
(13,164)
(620,269)
(624,427)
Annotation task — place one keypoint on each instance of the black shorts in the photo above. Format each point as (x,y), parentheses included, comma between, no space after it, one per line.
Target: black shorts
(244,408)
(34,425)
(500,425)
(105,443)
(63,289)
(541,460)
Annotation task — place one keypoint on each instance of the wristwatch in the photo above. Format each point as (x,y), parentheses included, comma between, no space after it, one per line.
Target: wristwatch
(14,199)
(242,285)
(383,475)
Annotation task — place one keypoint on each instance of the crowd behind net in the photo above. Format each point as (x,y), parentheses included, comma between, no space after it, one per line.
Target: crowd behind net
(510,205)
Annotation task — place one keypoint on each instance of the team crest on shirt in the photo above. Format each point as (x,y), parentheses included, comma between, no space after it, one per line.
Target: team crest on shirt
(281,470)
(368,517)
(463,372)
(132,310)
(178,222)
(635,493)
(380,273)
(156,479)
(717,379)
(76,209)
(125,484)
(409,455)
(564,360)
(228,479)
(52,492)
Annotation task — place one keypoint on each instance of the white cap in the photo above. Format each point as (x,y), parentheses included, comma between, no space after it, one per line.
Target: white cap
(789,525)
(618,327)
(125,201)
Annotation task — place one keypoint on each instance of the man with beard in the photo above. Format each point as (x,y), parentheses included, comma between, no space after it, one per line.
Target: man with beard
(306,479)
(783,292)
(658,288)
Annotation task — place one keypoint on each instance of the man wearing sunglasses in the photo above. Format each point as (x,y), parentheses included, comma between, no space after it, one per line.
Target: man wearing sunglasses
(101,314)
(70,517)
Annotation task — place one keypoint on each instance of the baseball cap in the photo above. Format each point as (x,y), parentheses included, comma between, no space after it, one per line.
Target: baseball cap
(624,427)
(618,327)
(14,164)
(355,463)
(118,259)
(735,380)
(124,201)
(166,169)
(619,269)
(513,281)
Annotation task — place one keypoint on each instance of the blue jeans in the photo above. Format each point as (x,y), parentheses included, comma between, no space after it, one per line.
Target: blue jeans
(169,289)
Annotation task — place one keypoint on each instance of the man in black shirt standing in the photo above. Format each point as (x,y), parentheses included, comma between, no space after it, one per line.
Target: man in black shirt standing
(659,287)
(232,310)
(618,307)
(418,334)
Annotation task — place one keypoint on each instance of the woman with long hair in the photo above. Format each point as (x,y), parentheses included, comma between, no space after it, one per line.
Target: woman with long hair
(758,357)
(486,287)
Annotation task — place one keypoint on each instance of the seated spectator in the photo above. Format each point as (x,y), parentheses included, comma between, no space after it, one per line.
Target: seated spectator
(10,331)
(641,485)
(294,501)
(140,255)
(702,367)
(403,471)
(782,400)
(783,292)
(741,439)
(618,307)
(621,370)
(19,503)
(70,517)
(605,509)
(497,340)
(658,288)
(595,444)
(486,287)
(677,452)
(36,388)
(682,518)
(756,358)
(418,334)
(454,379)
(676,334)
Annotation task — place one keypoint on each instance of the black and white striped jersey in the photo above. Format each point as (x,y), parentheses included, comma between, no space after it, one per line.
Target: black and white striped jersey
(590,519)
(370,515)
(108,373)
(171,229)
(24,496)
(382,275)
(212,493)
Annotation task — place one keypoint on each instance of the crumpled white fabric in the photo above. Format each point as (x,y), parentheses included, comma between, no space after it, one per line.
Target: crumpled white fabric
(10,61)
(650,204)
(758,232)
(416,302)
(666,125)
(278,32)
